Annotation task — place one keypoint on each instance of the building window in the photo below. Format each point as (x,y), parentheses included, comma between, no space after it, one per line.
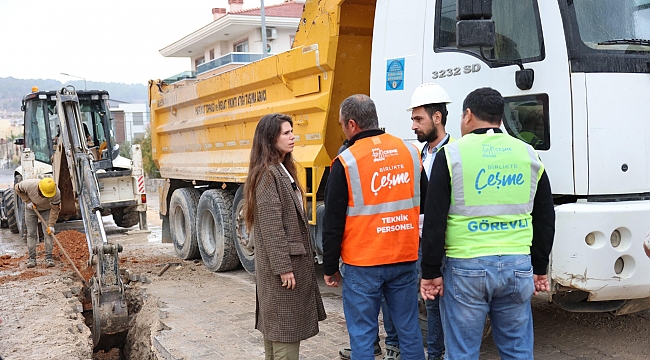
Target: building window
(138,136)
(241,46)
(199,61)
(212,54)
(138,119)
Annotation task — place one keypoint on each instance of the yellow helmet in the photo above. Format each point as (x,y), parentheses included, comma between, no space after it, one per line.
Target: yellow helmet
(47,187)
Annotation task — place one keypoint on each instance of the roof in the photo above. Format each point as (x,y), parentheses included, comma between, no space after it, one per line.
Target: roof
(289,9)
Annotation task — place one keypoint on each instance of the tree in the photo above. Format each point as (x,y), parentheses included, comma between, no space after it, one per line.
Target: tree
(150,168)
(125,149)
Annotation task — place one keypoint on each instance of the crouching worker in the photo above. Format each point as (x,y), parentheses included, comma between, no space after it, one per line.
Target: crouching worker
(42,196)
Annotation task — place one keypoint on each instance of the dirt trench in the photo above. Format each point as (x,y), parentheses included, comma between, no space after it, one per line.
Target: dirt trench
(46,312)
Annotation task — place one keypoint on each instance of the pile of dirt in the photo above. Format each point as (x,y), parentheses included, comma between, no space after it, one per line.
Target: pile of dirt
(24,275)
(74,243)
(7,261)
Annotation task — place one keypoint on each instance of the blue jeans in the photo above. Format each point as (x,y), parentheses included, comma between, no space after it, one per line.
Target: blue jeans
(435,333)
(500,286)
(391,333)
(362,291)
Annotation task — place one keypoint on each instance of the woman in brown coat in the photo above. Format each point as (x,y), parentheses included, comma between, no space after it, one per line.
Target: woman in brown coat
(288,302)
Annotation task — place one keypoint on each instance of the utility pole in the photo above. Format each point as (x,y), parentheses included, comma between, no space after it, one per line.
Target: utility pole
(264,52)
(78,77)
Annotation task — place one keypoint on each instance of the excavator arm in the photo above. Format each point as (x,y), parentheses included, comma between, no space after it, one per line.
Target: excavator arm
(110,315)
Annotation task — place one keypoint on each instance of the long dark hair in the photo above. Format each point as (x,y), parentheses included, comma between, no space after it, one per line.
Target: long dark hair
(265,153)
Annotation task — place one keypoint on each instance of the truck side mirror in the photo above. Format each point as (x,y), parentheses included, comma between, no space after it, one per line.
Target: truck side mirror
(19,141)
(475,27)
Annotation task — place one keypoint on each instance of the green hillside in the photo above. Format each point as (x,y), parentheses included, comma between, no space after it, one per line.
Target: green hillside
(12,90)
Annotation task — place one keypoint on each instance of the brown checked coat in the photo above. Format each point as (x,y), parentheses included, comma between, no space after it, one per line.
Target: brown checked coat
(281,245)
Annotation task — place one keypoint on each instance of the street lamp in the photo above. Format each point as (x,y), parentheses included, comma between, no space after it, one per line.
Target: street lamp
(78,77)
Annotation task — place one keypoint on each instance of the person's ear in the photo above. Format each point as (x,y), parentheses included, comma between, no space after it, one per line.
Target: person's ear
(437,118)
(352,125)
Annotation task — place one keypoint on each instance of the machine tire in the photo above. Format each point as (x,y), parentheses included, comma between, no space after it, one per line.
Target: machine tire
(10,209)
(125,217)
(19,211)
(245,243)
(215,230)
(182,216)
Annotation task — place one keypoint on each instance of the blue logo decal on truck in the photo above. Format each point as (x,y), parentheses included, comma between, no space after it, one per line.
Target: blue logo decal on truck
(395,74)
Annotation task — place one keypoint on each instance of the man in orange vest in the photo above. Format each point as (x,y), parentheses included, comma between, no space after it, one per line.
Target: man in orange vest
(372,205)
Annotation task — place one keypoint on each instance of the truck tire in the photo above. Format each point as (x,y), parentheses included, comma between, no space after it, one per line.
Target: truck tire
(215,231)
(10,209)
(125,217)
(244,242)
(182,216)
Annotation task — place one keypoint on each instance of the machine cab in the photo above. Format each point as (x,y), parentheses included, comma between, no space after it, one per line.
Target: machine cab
(43,126)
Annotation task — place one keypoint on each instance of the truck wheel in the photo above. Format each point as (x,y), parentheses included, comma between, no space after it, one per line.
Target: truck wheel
(10,209)
(125,217)
(182,215)
(244,242)
(214,230)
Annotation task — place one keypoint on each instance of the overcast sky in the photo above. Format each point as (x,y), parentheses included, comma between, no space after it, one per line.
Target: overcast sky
(106,41)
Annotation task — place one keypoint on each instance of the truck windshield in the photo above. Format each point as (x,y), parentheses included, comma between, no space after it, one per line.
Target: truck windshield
(605,36)
(621,25)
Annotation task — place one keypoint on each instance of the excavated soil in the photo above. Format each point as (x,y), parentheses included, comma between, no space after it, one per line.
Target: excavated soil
(74,243)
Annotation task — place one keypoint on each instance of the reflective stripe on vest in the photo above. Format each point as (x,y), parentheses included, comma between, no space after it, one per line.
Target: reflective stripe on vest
(493,184)
(357,192)
(458,206)
(381,226)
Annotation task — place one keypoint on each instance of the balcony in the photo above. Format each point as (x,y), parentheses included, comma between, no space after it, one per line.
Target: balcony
(230,60)
(182,76)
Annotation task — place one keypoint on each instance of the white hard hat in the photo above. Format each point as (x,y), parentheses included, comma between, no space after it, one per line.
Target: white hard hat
(428,93)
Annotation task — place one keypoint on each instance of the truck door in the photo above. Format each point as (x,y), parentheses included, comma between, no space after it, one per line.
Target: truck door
(528,32)
(396,63)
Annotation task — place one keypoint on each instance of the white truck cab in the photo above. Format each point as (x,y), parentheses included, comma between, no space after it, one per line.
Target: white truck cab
(584,107)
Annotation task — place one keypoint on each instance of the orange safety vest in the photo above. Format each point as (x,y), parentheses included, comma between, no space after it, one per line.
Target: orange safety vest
(381,227)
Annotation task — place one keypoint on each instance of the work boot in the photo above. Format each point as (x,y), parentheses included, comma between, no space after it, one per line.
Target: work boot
(31,263)
(392,353)
(49,262)
(345,352)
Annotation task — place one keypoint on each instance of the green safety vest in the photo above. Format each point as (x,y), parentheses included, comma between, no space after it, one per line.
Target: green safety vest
(493,184)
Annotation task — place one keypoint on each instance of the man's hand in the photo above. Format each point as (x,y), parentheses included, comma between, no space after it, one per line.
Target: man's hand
(332,280)
(541,283)
(430,288)
(29,206)
(50,230)
(288,280)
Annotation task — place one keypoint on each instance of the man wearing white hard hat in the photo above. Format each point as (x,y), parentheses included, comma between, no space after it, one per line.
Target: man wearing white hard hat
(429,115)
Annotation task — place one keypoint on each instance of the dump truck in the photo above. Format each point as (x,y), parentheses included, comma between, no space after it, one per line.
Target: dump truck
(574,75)
(121,181)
